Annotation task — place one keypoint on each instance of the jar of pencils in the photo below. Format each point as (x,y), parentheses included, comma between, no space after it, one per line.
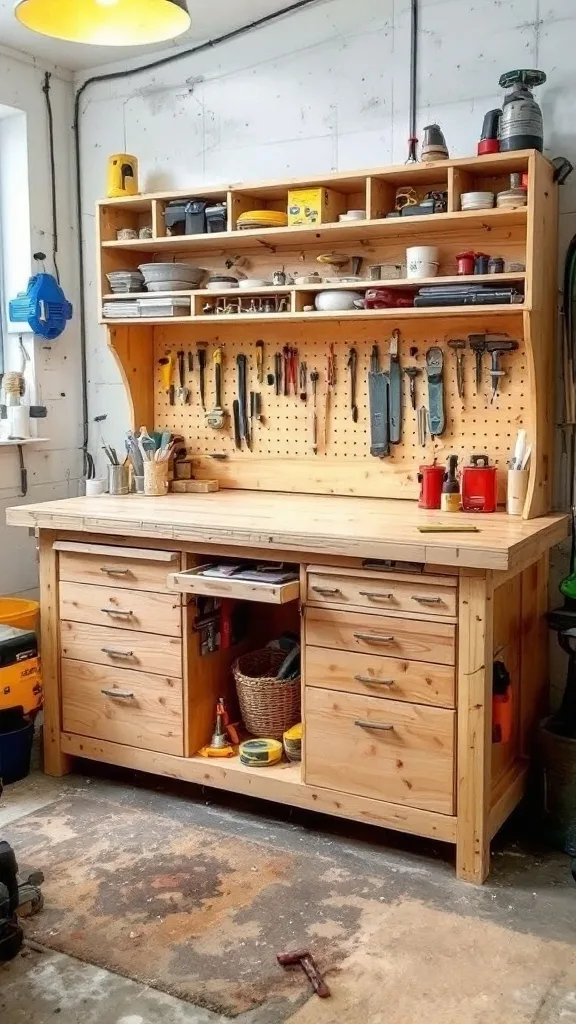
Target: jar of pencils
(156,477)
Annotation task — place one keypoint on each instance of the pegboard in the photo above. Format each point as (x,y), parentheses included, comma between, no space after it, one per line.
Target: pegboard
(282,457)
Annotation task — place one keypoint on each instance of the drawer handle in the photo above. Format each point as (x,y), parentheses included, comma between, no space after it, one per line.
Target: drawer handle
(374,682)
(327,591)
(375,596)
(115,572)
(427,600)
(116,654)
(122,694)
(381,726)
(374,638)
(116,611)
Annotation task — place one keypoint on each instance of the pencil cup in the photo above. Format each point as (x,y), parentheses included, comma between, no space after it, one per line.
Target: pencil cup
(119,479)
(156,478)
(94,487)
(139,484)
(516,493)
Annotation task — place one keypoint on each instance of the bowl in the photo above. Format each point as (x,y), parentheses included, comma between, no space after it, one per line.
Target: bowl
(154,272)
(253,282)
(338,299)
(352,215)
(220,282)
(169,286)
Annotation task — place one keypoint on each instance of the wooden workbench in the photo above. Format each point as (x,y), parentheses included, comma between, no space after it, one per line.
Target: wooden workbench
(453,601)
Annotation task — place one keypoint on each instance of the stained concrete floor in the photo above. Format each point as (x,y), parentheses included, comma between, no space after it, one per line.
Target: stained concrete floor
(430,949)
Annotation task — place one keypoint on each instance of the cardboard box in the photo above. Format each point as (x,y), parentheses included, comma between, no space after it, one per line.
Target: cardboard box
(314,206)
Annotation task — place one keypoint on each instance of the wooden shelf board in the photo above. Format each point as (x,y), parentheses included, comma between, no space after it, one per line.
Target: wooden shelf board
(400,282)
(12,442)
(356,231)
(344,181)
(344,314)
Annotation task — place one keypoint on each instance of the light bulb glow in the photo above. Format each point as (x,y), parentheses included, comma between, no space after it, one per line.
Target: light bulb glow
(106,22)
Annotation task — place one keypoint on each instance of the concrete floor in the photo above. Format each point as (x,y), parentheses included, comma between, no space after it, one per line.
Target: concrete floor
(431,949)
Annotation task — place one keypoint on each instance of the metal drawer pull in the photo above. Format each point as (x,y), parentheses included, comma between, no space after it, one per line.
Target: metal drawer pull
(373,725)
(374,682)
(375,595)
(327,591)
(374,638)
(123,694)
(116,611)
(115,572)
(116,654)
(427,600)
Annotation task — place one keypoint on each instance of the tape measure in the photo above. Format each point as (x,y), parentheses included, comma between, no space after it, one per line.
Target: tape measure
(260,753)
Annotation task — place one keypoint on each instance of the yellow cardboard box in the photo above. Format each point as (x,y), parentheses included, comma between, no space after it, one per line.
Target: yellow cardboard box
(314,206)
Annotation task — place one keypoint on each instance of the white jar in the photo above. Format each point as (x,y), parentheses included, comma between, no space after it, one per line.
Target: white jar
(422,261)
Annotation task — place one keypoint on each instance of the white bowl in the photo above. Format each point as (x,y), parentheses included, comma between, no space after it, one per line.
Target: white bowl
(352,215)
(172,272)
(220,286)
(253,282)
(338,299)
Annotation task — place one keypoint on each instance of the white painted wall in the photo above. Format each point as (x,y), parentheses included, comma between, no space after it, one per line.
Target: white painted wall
(54,468)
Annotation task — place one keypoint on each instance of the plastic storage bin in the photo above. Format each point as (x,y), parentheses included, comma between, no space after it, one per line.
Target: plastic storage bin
(16,735)
(16,611)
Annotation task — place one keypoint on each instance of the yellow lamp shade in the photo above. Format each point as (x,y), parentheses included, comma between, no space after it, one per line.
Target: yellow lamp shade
(106,22)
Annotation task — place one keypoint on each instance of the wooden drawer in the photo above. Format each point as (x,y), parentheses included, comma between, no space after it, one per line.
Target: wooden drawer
(135,569)
(124,609)
(192,581)
(414,639)
(370,674)
(147,711)
(124,648)
(387,750)
(371,590)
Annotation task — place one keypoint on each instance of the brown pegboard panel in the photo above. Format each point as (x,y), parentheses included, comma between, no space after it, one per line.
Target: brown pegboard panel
(282,444)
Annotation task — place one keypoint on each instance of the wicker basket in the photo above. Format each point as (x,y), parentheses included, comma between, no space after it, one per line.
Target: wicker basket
(268,705)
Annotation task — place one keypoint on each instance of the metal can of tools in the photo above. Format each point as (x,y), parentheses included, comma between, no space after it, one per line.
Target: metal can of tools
(119,479)
(495,265)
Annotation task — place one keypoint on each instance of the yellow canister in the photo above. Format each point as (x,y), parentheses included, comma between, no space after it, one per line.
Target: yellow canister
(122,175)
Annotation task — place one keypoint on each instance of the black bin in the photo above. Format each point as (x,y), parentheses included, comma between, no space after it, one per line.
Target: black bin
(16,735)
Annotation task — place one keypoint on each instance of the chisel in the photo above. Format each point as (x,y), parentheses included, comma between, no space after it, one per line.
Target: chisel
(395,390)
(378,401)
(244,423)
(202,369)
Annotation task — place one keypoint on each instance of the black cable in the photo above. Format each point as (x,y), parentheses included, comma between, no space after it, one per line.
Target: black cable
(412,140)
(112,76)
(52,161)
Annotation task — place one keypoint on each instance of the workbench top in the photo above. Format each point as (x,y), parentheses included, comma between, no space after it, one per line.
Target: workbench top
(306,524)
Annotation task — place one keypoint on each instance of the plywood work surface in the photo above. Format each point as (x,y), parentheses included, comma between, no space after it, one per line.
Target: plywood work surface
(282,456)
(304,523)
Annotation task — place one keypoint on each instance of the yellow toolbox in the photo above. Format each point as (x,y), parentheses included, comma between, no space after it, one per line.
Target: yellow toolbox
(20,679)
(314,206)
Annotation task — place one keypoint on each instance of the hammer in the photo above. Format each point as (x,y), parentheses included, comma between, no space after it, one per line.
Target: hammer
(308,965)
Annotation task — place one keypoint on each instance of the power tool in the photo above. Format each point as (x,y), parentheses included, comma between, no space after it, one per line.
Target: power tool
(20,678)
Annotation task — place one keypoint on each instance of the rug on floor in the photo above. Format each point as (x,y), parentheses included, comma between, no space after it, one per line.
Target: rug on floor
(194,912)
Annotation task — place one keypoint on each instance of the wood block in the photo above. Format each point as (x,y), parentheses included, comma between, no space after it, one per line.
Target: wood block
(201,486)
(183,469)
(179,486)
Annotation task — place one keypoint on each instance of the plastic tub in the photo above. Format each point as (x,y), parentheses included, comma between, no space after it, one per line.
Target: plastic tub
(16,735)
(16,611)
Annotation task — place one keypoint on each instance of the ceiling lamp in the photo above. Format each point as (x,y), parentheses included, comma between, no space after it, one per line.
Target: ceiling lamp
(106,22)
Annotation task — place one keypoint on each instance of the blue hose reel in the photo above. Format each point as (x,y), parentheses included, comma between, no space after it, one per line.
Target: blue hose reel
(43,306)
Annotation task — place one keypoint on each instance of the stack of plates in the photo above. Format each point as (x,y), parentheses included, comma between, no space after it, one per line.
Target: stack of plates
(158,307)
(477,200)
(121,310)
(125,281)
(511,199)
(262,219)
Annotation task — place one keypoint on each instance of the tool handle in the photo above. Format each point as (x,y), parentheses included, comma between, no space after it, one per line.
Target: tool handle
(181,377)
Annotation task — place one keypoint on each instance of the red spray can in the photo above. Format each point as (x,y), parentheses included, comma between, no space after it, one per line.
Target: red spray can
(430,479)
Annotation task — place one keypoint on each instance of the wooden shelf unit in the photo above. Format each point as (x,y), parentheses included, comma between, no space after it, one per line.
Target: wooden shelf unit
(526,235)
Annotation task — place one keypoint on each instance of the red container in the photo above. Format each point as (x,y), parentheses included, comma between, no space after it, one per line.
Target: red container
(465,261)
(479,486)
(430,479)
